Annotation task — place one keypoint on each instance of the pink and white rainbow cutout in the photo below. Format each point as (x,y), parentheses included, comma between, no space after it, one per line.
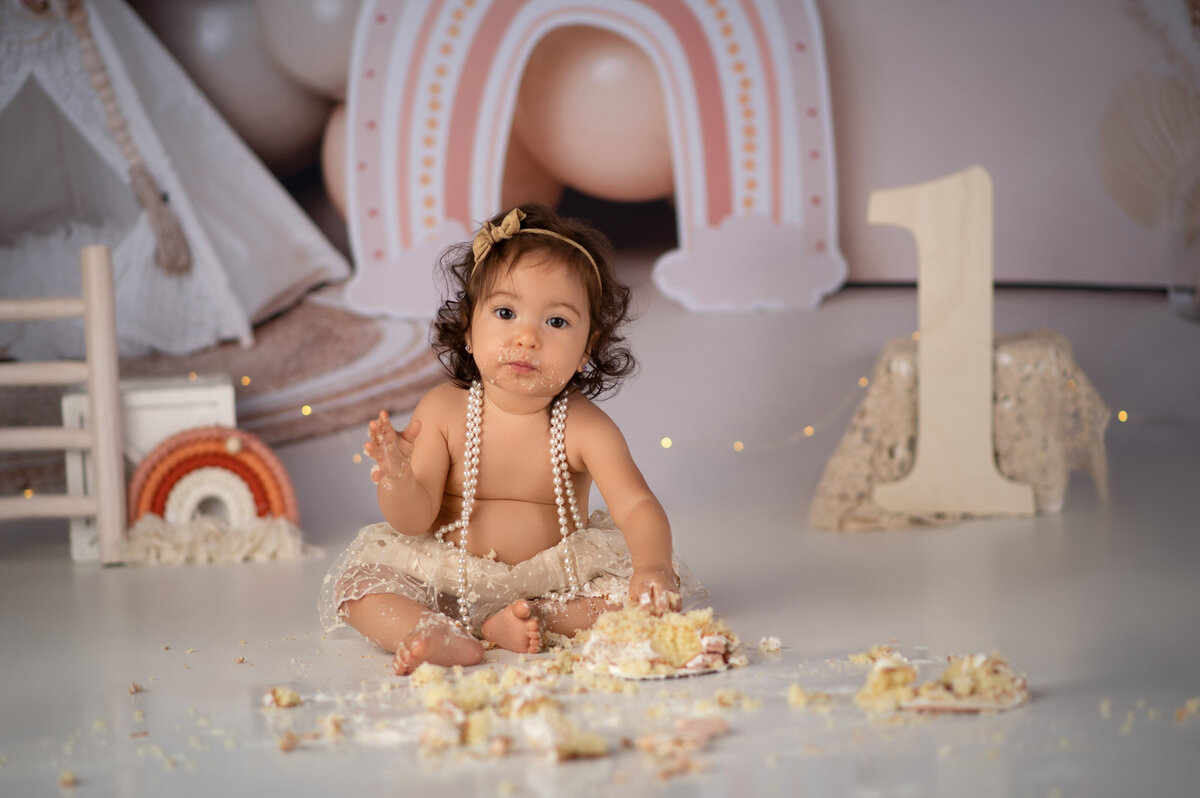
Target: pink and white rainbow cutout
(433,84)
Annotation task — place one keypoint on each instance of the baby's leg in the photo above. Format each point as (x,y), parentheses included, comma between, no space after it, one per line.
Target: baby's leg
(517,627)
(416,633)
(568,617)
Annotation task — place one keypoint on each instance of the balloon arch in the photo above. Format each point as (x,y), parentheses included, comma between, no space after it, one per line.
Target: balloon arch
(433,87)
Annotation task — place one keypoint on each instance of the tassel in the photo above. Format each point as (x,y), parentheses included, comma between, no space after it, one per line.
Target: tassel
(172,255)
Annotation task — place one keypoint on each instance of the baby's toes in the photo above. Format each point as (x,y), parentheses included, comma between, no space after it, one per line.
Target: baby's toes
(534,630)
(403,663)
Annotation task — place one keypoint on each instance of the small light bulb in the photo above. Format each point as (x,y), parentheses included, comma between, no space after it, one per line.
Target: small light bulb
(28,493)
(863,382)
(306,410)
(738,446)
(666,443)
(809,431)
(192,376)
(1122,416)
(245,380)
(357,457)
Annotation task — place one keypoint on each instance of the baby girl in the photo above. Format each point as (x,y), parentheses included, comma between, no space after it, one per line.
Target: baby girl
(487,538)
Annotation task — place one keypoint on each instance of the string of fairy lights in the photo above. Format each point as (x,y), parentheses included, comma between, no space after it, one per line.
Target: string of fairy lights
(801,434)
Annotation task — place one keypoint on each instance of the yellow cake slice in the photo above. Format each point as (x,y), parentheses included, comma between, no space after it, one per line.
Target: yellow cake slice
(635,643)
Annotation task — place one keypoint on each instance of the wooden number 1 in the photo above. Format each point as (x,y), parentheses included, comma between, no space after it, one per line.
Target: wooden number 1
(954,469)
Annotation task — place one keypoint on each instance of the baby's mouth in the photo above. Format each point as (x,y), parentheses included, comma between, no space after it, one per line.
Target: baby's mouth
(522,366)
(518,361)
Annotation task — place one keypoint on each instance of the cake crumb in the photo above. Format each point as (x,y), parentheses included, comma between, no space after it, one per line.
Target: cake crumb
(672,751)
(135,688)
(888,685)
(426,674)
(331,727)
(1190,708)
(972,683)
(283,697)
(68,779)
(728,696)
(876,652)
(288,742)
(238,660)
(770,645)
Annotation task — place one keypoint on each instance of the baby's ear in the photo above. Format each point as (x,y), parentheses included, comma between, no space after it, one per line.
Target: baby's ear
(587,353)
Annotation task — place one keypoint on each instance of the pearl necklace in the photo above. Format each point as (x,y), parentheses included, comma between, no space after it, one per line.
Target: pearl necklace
(564,494)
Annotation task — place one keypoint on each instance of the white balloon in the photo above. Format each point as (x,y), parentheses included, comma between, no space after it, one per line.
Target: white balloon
(311,40)
(218,42)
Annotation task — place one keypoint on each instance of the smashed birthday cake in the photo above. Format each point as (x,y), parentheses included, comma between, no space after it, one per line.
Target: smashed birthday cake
(635,643)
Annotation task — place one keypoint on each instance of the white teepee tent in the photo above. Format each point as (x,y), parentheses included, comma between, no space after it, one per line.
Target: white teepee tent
(65,182)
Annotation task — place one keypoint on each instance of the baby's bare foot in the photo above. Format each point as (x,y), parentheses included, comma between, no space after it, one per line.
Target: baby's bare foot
(439,641)
(517,627)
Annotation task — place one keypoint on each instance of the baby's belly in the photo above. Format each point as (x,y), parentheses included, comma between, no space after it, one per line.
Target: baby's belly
(514,530)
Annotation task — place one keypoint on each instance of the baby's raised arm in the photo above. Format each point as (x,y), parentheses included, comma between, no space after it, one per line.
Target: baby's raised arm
(410,466)
(633,506)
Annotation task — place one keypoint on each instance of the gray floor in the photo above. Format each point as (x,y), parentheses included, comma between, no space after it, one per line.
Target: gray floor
(1099,605)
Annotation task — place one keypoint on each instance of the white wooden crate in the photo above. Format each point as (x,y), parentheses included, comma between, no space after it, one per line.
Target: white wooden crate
(154,409)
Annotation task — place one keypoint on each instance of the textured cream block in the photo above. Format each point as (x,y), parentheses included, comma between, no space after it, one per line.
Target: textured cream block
(153,409)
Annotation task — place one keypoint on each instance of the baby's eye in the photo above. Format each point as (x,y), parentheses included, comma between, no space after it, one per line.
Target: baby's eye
(505,313)
(557,322)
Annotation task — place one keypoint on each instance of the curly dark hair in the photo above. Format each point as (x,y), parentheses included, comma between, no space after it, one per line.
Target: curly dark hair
(608,300)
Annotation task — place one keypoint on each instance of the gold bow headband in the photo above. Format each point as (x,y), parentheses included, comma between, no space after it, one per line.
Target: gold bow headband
(510,226)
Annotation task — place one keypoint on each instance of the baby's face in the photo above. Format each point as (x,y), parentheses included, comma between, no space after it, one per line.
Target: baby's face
(529,334)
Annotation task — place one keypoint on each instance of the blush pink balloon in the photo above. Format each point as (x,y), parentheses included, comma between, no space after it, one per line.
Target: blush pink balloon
(218,43)
(525,180)
(333,158)
(590,110)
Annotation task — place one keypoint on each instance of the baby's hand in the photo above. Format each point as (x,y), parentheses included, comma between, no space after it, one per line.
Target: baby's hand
(655,588)
(391,450)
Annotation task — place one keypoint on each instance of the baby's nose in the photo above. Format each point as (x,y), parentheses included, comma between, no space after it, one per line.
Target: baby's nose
(527,335)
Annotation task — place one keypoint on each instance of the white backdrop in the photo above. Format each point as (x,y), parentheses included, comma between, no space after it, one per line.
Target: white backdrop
(924,88)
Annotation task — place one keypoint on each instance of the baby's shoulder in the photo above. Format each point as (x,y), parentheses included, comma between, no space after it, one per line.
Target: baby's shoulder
(584,416)
(441,405)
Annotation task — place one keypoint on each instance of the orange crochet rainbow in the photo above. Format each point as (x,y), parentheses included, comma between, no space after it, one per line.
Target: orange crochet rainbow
(235,451)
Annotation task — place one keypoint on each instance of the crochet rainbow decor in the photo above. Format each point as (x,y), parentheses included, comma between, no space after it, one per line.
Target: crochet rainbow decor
(217,471)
